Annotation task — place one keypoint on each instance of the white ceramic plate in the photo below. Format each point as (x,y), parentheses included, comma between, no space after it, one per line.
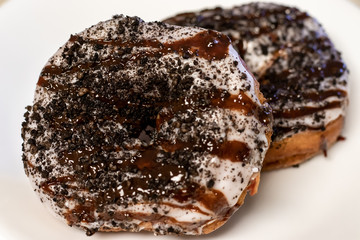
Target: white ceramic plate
(319,200)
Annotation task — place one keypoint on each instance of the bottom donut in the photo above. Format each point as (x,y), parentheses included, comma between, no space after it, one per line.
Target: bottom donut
(302,146)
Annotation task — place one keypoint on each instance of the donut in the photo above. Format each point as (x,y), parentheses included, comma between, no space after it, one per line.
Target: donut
(300,72)
(145,126)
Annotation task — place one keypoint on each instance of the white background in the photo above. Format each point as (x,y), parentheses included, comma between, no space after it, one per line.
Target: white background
(319,200)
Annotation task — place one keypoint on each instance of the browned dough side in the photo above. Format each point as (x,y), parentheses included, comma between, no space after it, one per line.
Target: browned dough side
(302,146)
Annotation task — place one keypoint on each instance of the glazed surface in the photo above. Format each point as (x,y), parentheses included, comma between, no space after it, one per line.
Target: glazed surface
(135,123)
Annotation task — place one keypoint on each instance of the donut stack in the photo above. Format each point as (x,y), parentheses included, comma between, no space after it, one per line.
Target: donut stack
(163,127)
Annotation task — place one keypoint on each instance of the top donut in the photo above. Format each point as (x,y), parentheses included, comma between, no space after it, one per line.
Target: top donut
(145,126)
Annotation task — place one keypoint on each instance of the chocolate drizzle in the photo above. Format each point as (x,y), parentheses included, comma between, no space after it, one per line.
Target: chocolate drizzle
(303,111)
(208,44)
